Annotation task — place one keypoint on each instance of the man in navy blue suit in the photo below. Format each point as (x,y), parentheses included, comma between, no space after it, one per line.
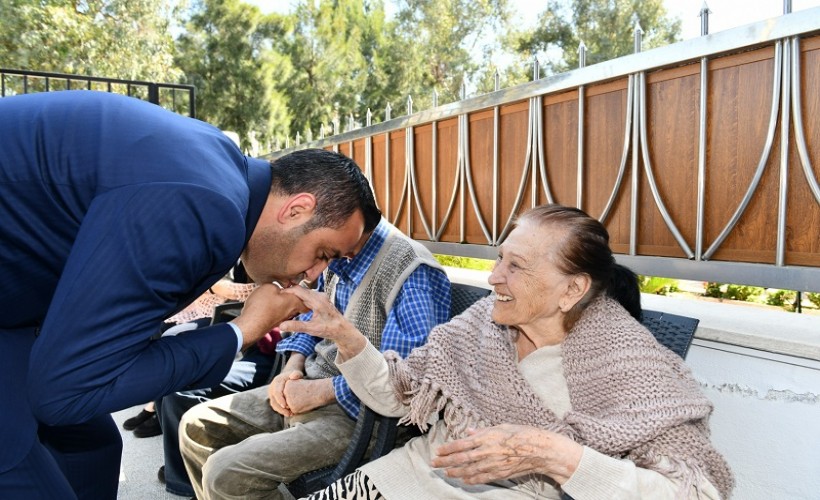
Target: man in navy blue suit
(115,214)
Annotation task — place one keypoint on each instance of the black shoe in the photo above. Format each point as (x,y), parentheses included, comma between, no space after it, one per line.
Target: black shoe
(161,474)
(134,422)
(149,428)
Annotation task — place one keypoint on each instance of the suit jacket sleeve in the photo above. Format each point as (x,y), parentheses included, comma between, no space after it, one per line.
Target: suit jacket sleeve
(142,252)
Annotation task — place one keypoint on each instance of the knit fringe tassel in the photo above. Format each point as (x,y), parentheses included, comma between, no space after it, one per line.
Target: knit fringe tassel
(427,399)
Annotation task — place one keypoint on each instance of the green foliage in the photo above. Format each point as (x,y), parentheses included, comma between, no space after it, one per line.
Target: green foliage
(814,298)
(742,293)
(606,27)
(782,298)
(657,286)
(465,262)
(225,54)
(437,39)
(325,45)
(713,290)
(126,39)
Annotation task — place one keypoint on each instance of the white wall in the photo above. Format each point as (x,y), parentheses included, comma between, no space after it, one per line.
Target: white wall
(766,420)
(761,369)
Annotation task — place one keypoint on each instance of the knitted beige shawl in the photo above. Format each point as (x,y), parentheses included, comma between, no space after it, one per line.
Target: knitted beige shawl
(631,398)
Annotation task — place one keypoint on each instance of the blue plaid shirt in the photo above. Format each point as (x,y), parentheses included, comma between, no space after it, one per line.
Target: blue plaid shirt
(422,303)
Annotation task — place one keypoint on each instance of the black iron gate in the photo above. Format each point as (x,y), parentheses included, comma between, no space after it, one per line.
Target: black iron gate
(175,97)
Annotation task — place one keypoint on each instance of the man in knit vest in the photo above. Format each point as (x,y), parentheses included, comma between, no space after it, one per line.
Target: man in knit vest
(245,445)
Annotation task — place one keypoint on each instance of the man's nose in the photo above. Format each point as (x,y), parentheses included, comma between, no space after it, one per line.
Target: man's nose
(313,273)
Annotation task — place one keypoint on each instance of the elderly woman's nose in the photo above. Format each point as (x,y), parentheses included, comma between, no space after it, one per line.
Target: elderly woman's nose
(495,275)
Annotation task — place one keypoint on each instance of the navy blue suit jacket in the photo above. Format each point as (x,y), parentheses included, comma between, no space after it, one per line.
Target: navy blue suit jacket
(114,214)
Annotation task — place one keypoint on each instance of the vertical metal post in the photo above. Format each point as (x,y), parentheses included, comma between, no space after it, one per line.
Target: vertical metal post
(582,62)
(434,180)
(496,124)
(368,151)
(387,116)
(704,19)
(536,69)
(408,167)
(636,114)
(704,92)
(192,102)
(153,93)
(783,190)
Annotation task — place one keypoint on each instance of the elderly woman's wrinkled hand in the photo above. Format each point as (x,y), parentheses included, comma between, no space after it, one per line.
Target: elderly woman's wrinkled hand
(326,322)
(507,451)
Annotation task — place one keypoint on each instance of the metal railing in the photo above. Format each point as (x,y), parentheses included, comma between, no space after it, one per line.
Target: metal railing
(425,182)
(172,96)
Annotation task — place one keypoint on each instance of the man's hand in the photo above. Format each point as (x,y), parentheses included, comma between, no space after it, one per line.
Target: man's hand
(294,369)
(290,394)
(304,395)
(276,392)
(326,322)
(507,451)
(266,307)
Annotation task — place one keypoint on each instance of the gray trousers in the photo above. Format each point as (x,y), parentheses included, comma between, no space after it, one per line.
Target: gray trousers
(237,447)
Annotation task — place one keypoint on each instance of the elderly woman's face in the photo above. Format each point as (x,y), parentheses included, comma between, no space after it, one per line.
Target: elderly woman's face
(529,287)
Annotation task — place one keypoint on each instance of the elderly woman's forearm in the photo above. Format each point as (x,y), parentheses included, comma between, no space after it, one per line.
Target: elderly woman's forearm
(368,377)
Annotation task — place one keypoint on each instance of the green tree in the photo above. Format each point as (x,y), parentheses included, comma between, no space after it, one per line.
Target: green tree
(605,26)
(225,53)
(324,48)
(440,38)
(126,39)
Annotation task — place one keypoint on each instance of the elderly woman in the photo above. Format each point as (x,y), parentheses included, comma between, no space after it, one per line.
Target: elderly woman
(547,388)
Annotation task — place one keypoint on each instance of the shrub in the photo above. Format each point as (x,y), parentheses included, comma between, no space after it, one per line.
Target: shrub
(782,298)
(742,292)
(814,298)
(712,289)
(465,262)
(658,286)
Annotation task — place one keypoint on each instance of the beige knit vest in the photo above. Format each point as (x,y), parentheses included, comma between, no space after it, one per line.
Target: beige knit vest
(373,299)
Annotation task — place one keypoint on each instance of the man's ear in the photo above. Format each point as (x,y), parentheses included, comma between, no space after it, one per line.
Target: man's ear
(576,289)
(297,209)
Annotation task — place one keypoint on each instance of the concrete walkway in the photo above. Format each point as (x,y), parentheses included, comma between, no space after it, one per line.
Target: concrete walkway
(141,459)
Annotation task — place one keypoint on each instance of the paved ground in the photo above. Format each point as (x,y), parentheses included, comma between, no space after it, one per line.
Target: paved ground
(141,458)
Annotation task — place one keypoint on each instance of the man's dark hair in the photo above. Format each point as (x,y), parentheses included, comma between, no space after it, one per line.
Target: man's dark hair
(335,180)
